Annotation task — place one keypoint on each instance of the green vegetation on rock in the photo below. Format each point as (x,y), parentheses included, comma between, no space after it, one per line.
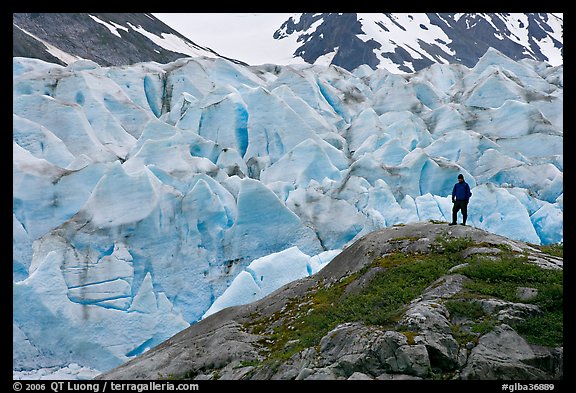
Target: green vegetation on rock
(501,279)
(397,278)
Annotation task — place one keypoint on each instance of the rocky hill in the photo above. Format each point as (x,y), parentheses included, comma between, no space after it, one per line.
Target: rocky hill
(416,301)
(105,38)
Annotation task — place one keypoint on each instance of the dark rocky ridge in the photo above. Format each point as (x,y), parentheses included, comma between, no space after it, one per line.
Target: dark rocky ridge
(80,35)
(238,342)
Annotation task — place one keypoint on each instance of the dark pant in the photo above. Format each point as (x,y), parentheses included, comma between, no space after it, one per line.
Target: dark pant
(460,205)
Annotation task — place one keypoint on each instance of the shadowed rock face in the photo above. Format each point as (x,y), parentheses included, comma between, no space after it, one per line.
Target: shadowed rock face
(82,36)
(237,342)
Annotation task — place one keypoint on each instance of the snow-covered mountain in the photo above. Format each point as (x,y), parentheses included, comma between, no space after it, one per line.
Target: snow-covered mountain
(146,197)
(105,38)
(409,42)
(398,42)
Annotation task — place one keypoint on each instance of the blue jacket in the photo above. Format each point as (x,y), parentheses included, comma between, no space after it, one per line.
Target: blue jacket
(461,191)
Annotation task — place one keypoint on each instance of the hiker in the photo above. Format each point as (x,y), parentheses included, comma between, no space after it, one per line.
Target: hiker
(460,196)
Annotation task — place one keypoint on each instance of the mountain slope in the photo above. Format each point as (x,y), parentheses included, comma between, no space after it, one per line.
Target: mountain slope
(398,42)
(411,42)
(109,39)
(358,319)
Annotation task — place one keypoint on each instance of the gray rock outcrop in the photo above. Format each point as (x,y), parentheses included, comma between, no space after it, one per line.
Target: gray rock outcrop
(426,341)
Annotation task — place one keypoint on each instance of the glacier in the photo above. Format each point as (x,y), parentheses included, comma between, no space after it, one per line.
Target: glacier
(149,196)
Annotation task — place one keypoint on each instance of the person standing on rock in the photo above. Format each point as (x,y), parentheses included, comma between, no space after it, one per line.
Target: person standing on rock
(460,196)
